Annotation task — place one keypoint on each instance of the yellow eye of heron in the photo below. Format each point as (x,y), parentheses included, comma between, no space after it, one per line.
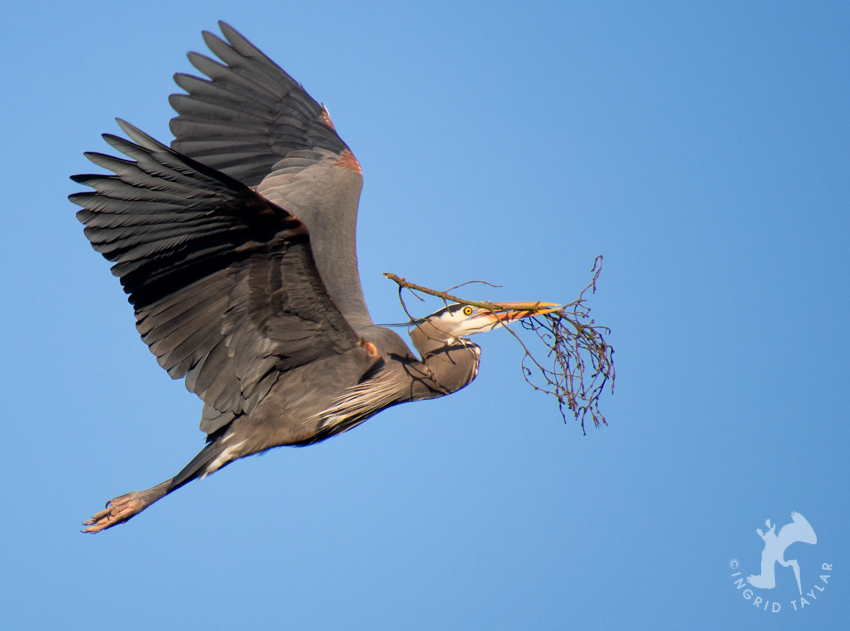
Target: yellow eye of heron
(467,311)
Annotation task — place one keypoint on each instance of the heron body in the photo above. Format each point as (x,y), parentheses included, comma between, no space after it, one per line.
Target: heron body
(236,246)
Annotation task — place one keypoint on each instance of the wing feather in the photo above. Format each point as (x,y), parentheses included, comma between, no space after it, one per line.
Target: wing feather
(223,282)
(251,120)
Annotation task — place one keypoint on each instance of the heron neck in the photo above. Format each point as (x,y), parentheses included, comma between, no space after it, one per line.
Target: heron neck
(446,366)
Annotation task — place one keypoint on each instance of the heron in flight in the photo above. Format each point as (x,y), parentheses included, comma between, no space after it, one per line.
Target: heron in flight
(236,246)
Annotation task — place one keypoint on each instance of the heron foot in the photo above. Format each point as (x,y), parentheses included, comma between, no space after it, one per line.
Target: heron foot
(117,511)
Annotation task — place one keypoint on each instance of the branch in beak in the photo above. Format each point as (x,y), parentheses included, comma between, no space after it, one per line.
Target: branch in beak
(512,311)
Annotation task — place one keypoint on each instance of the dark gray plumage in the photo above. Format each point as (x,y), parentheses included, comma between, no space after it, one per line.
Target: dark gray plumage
(237,249)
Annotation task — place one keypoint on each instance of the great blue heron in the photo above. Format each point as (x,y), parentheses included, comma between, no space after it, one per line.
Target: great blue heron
(237,249)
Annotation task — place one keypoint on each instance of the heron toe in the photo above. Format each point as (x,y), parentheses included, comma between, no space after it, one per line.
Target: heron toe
(117,511)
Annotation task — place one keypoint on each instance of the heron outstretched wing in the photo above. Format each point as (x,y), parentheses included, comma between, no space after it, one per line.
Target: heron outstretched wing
(223,282)
(252,121)
(798,530)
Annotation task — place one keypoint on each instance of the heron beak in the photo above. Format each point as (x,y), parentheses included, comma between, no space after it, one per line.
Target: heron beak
(518,310)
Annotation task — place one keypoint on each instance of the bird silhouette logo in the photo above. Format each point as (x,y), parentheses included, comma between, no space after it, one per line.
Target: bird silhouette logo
(799,530)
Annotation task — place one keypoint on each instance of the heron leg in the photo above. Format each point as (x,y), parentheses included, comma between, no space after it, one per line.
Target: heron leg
(124,507)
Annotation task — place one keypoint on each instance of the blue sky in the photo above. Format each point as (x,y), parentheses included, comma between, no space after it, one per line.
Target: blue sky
(703,149)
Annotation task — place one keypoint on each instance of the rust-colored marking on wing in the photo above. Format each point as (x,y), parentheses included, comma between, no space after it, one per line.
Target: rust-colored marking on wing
(348,161)
(298,229)
(326,118)
(371,349)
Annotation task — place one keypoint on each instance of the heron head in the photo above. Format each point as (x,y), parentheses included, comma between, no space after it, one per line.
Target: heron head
(458,320)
